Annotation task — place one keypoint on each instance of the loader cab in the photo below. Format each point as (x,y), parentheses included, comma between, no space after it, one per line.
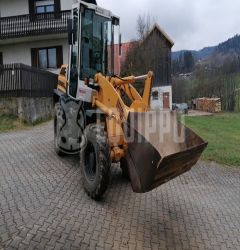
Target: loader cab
(91,35)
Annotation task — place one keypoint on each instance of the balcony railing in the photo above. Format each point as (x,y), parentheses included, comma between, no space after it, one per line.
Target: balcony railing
(34,25)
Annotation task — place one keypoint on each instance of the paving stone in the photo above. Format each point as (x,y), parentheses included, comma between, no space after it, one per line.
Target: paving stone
(43,204)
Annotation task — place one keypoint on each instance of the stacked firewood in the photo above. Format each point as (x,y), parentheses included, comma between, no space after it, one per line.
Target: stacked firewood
(212,105)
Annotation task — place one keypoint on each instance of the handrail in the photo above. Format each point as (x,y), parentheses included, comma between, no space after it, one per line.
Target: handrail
(33,25)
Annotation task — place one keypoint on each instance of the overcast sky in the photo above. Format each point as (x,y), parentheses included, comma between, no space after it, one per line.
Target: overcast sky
(192,24)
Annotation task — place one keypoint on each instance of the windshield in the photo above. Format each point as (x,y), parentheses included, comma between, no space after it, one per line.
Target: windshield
(95,44)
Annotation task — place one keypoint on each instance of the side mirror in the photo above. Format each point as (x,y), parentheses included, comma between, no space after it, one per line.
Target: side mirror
(70,32)
(120,44)
(115,21)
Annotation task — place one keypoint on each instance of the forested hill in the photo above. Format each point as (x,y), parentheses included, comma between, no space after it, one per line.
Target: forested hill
(218,75)
(229,47)
(197,54)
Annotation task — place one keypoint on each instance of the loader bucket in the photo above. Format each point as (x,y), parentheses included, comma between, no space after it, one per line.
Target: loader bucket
(159,149)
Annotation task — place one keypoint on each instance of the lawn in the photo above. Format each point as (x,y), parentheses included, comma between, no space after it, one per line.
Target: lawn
(8,122)
(222,131)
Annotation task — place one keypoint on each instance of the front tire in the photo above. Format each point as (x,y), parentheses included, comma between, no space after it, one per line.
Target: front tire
(95,161)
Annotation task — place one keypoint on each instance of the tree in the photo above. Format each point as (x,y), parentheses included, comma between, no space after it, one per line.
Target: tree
(188,62)
(184,64)
(137,62)
(143,26)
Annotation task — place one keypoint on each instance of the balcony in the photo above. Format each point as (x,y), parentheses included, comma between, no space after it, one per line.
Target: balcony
(34,25)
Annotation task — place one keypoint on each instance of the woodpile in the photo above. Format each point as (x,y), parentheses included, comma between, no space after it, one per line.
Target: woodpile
(212,105)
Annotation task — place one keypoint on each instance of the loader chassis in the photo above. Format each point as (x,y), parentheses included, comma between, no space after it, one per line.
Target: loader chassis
(92,118)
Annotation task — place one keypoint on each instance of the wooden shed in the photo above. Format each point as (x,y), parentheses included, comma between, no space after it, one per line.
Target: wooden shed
(151,53)
(156,50)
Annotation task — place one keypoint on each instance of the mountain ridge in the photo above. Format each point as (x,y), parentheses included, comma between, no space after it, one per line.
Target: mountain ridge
(197,54)
(228,47)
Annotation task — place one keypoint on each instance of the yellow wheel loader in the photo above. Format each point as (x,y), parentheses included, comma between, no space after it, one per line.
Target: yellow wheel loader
(104,118)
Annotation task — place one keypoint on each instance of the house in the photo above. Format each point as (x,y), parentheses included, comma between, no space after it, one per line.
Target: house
(156,48)
(120,55)
(153,53)
(34,32)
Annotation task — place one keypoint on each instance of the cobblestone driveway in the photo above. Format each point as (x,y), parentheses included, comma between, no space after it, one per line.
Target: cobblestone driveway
(43,205)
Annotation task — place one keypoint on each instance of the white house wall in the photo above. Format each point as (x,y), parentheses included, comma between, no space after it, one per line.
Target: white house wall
(158,104)
(66,4)
(21,52)
(13,7)
(20,7)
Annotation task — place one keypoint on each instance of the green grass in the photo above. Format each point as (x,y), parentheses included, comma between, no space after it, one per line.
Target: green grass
(9,122)
(222,131)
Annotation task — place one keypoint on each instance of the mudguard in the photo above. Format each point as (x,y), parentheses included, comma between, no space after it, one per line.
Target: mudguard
(70,124)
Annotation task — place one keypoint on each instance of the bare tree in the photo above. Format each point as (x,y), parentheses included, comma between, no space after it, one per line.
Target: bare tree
(144,24)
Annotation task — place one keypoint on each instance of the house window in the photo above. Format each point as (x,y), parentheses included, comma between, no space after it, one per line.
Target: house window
(44,9)
(155,95)
(1,58)
(44,6)
(47,58)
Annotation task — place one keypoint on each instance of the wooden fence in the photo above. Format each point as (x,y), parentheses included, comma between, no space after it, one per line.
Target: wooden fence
(19,80)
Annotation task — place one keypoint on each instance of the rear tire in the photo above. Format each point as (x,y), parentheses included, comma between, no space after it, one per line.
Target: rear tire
(57,110)
(95,161)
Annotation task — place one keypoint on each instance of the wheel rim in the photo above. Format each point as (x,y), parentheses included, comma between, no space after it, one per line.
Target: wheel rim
(90,162)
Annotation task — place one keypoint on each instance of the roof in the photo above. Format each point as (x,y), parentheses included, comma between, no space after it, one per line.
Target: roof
(159,29)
